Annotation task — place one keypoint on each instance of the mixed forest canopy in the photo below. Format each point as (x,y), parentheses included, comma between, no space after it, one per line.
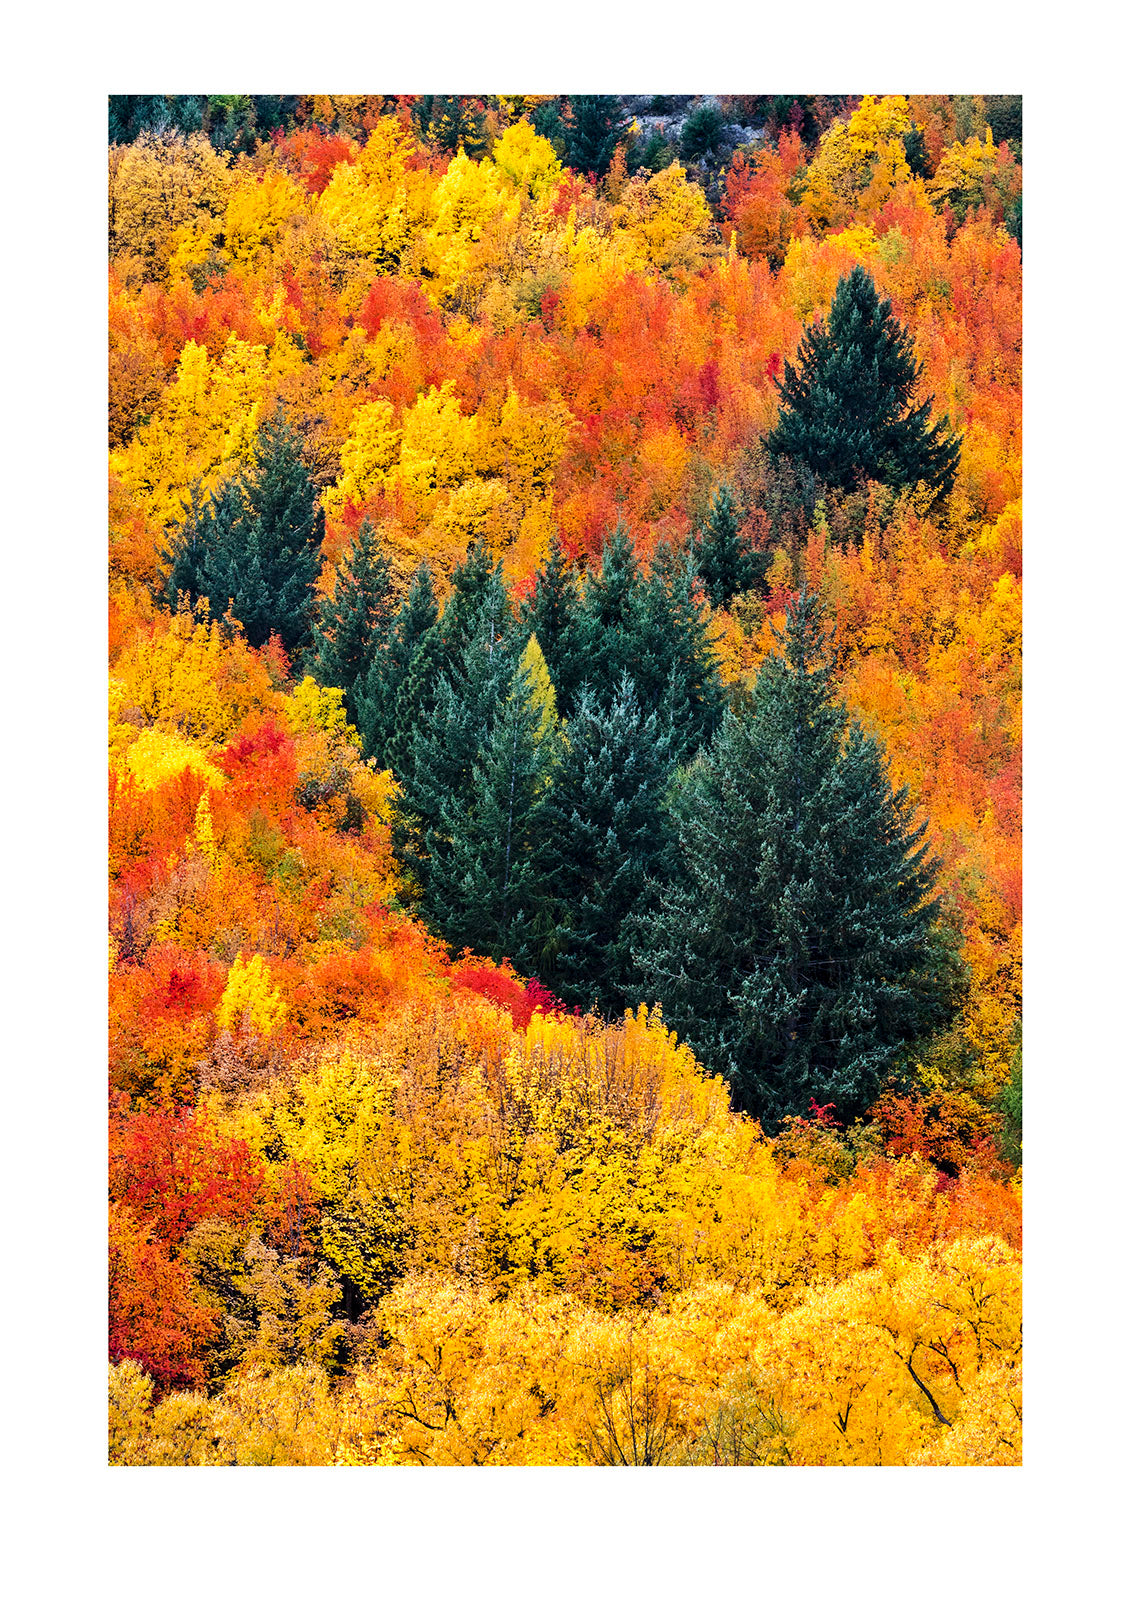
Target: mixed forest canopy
(565,574)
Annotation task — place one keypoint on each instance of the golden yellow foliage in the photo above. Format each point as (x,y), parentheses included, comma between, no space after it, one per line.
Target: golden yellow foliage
(259,205)
(157,755)
(311,709)
(250,999)
(160,184)
(527,160)
(373,206)
(863,154)
(202,430)
(368,456)
(440,446)
(476,213)
(671,219)
(542,691)
(184,677)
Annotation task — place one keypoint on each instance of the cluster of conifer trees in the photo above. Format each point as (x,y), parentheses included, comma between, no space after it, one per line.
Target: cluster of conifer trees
(577,796)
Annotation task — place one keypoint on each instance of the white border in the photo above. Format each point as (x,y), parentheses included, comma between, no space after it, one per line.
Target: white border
(79,1525)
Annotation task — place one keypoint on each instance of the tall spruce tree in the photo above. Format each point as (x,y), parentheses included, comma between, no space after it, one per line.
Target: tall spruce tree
(596,125)
(609,615)
(797,950)
(446,710)
(728,563)
(492,885)
(669,655)
(383,689)
(450,123)
(402,681)
(553,614)
(353,621)
(608,833)
(255,544)
(847,405)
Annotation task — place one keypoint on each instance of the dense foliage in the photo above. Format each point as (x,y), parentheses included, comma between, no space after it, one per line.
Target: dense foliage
(565,779)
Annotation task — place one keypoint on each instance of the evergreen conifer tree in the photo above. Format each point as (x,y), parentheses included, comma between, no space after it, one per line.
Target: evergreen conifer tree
(596,125)
(476,583)
(353,621)
(445,713)
(669,654)
(553,614)
(797,949)
(848,411)
(450,123)
(728,564)
(255,545)
(606,645)
(384,685)
(608,833)
(494,859)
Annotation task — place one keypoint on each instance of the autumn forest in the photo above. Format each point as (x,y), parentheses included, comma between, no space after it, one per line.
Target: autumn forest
(565,779)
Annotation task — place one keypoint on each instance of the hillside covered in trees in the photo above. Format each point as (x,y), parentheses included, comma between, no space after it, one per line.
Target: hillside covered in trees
(565,585)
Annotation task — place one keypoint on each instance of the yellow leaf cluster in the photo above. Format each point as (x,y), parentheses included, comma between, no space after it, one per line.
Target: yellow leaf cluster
(157,755)
(368,456)
(864,154)
(962,168)
(671,219)
(259,206)
(440,446)
(527,160)
(165,188)
(311,709)
(203,429)
(541,686)
(372,207)
(250,999)
(477,210)
(184,677)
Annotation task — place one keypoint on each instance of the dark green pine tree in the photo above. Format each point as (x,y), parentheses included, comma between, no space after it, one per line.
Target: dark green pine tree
(445,714)
(490,891)
(669,655)
(915,150)
(847,405)
(477,583)
(553,615)
(353,621)
(728,563)
(401,686)
(132,114)
(609,832)
(451,122)
(798,949)
(595,126)
(383,691)
(255,545)
(606,645)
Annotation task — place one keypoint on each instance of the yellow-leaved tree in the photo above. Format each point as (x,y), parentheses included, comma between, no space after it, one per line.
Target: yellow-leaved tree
(202,430)
(259,207)
(374,207)
(528,160)
(864,155)
(440,447)
(250,999)
(542,692)
(477,211)
(368,456)
(164,189)
(960,176)
(672,221)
